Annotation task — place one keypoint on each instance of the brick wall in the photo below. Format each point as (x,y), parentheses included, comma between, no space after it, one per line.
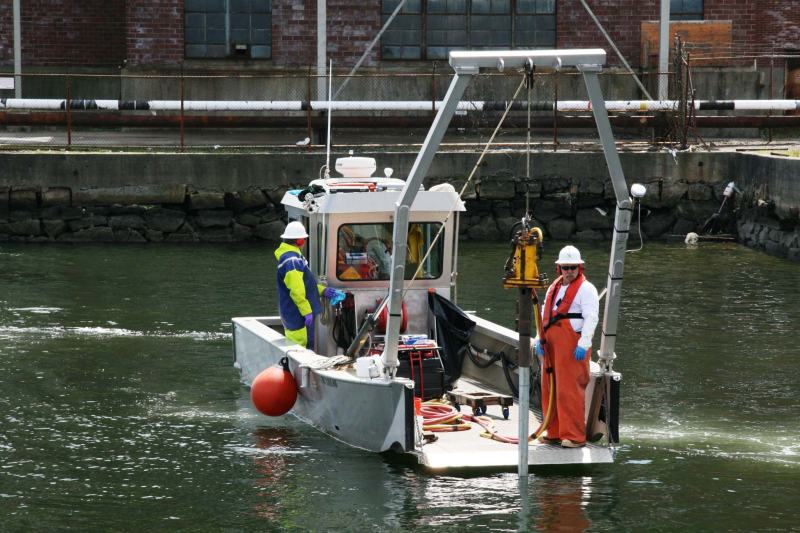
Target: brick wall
(784,23)
(6,33)
(150,32)
(154,33)
(759,27)
(351,27)
(294,32)
(620,18)
(66,32)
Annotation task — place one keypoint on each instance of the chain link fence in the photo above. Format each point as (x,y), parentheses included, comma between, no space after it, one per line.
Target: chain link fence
(235,111)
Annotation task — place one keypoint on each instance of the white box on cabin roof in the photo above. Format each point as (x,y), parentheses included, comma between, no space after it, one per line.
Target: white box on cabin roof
(356,167)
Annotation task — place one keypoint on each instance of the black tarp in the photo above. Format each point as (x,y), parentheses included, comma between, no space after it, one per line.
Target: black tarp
(453,330)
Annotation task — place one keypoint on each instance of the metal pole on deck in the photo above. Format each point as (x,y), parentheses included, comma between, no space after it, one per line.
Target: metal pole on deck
(524,377)
(402,210)
(622,220)
(619,246)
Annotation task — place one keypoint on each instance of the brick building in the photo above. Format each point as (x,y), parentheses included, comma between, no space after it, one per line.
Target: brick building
(67,34)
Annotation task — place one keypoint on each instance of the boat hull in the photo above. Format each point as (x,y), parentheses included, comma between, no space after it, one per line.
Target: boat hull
(378,415)
(375,415)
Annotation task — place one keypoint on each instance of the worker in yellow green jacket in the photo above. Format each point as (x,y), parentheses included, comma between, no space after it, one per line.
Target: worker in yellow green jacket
(298,290)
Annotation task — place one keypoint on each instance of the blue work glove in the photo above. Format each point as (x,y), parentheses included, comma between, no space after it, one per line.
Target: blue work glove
(537,348)
(580,353)
(309,320)
(335,296)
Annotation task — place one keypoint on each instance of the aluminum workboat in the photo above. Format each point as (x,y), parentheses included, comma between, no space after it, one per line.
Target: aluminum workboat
(397,366)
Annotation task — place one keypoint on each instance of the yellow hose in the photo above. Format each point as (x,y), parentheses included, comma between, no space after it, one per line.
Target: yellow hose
(549,413)
(546,422)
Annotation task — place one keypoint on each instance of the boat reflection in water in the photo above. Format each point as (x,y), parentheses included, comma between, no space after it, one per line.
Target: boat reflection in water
(272,453)
(561,503)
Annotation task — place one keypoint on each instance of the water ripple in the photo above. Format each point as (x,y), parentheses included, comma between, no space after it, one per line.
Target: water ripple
(37,310)
(9,332)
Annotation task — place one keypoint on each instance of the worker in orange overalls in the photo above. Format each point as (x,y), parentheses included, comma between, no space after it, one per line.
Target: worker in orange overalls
(569,318)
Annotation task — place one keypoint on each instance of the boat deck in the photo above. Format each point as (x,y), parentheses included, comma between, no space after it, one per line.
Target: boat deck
(467,449)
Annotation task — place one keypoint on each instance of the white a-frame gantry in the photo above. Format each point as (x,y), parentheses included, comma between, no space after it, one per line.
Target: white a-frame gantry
(589,62)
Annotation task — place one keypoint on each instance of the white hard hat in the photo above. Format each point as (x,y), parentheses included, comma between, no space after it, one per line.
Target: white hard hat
(569,255)
(294,230)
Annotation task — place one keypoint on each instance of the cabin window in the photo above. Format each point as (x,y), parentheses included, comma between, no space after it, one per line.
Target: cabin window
(431,29)
(364,251)
(228,29)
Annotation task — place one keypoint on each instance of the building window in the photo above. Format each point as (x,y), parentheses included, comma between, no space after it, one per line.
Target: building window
(228,28)
(490,24)
(403,39)
(430,29)
(686,10)
(535,24)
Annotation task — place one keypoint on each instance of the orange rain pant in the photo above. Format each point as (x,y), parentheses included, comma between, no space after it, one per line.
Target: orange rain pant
(568,420)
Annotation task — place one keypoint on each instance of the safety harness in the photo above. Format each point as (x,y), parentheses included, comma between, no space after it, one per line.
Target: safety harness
(562,311)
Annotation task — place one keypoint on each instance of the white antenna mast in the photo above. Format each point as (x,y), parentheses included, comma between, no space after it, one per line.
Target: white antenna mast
(330,110)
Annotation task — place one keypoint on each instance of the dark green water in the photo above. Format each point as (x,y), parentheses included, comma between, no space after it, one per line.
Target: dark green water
(120,410)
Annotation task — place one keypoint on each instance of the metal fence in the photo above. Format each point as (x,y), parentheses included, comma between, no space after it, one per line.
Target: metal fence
(89,111)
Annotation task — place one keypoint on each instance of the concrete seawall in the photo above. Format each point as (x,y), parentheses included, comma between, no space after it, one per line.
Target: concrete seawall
(223,197)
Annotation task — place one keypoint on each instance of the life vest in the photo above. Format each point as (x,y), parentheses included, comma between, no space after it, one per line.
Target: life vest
(562,311)
(290,258)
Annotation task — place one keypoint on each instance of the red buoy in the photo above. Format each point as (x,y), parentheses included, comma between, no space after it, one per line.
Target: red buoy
(274,390)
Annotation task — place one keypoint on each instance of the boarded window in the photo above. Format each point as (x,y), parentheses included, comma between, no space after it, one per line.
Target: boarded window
(228,28)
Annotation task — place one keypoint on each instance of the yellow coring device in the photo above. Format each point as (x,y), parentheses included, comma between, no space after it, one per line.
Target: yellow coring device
(522,270)
(522,266)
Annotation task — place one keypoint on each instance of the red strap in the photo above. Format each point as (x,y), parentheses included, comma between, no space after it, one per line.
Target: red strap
(416,357)
(566,302)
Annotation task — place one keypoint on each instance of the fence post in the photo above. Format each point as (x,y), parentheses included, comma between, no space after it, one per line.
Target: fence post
(771,67)
(433,88)
(68,105)
(555,111)
(182,95)
(308,110)
(683,57)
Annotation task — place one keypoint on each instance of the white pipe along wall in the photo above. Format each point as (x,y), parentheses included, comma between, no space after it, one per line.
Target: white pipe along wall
(399,105)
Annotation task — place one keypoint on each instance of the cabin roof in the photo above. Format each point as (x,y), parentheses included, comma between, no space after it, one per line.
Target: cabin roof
(376,202)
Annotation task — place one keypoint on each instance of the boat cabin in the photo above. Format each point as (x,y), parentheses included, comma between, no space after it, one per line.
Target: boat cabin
(349,223)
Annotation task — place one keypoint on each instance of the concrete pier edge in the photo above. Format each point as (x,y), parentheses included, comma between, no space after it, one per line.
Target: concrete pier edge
(228,197)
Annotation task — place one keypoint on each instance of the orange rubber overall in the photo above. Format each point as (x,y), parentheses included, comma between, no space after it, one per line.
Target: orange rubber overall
(568,420)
